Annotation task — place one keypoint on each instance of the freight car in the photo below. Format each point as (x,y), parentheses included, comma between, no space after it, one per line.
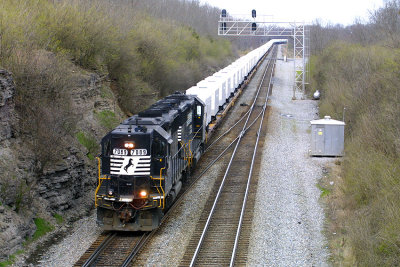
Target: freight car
(145,160)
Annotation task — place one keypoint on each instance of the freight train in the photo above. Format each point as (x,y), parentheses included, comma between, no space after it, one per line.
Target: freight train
(145,159)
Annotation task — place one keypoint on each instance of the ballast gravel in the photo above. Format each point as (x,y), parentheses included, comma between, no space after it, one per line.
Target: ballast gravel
(70,249)
(288,218)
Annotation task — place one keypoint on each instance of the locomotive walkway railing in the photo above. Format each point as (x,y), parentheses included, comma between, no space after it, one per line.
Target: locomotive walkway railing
(100,181)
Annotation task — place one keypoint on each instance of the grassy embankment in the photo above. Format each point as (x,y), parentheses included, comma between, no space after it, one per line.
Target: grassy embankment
(144,55)
(364,206)
(45,43)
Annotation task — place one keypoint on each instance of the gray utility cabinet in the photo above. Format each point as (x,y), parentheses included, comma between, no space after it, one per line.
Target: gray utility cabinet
(327,137)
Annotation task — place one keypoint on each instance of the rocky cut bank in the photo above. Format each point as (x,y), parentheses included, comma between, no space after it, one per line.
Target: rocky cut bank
(63,188)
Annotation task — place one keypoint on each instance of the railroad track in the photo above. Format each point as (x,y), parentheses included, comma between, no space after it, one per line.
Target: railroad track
(120,249)
(222,234)
(112,249)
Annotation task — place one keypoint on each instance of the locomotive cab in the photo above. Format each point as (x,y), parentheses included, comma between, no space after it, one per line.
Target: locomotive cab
(127,188)
(128,157)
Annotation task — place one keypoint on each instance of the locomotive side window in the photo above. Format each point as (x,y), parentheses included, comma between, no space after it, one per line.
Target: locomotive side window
(158,148)
(198,110)
(181,150)
(107,148)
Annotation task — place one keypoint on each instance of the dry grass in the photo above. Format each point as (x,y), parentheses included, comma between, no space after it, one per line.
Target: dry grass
(142,54)
(337,214)
(365,203)
(145,57)
(43,103)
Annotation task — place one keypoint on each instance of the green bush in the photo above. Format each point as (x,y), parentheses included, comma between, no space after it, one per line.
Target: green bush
(21,195)
(105,92)
(324,191)
(42,228)
(8,262)
(107,119)
(11,259)
(58,218)
(89,142)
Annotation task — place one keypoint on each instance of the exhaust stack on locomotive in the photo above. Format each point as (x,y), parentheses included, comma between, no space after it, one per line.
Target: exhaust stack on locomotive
(144,161)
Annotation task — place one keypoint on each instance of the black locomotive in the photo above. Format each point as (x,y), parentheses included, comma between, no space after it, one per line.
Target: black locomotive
(145,160)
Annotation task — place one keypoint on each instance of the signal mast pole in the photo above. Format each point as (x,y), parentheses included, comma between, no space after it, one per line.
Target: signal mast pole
(241,25)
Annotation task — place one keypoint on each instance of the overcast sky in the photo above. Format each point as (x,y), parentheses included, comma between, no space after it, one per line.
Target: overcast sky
(334,11)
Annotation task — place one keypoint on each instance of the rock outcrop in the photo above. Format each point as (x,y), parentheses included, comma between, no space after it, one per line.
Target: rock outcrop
(7,106)
(65,187)
(14,226)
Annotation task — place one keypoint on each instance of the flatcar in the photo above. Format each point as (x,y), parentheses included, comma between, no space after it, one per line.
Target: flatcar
(145,159)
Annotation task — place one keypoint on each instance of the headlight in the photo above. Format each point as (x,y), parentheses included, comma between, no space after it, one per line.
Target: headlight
(129,145)
(143,193)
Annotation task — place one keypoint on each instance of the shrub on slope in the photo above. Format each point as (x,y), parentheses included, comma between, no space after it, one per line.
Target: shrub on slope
(145,56)
(365,80)
(43,42)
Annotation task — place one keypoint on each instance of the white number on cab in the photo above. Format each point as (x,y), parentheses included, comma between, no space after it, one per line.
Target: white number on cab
(120,151)
(138,152)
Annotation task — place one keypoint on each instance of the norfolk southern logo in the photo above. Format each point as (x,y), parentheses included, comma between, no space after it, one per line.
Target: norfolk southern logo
(130,165)
(127,166)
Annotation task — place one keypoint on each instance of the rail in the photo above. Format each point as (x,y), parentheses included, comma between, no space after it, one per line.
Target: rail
(93,257)
(202,237)
(136,249)
(250,174)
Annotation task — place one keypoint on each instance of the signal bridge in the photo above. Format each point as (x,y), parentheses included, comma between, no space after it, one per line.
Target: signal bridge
(266,26)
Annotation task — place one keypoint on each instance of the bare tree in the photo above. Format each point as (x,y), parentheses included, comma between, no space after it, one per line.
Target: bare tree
(387,22)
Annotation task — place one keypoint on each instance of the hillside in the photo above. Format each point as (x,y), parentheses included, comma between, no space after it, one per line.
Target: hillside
(69,72)
(357,69)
